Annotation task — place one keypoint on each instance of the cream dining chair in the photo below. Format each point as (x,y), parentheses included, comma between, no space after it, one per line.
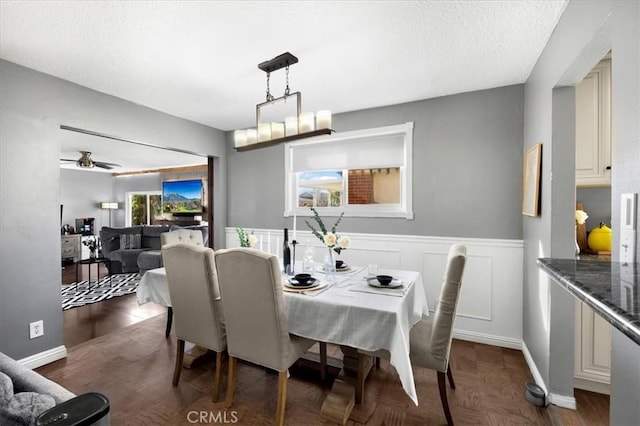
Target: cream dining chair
(430,339)
(255,317)
(195,299)
(186,236)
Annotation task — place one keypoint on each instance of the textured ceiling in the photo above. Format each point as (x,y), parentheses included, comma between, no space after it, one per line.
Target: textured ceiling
(198,59)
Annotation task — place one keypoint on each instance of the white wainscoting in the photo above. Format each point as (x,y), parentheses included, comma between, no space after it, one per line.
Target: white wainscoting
(490,307)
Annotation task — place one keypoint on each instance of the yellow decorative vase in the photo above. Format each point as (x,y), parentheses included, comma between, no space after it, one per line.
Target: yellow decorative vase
(600,238)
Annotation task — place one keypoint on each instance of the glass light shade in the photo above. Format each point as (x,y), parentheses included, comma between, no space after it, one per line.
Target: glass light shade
(240,137)
(277,130)
(109,206)
(252,136)
(323,119)
(264,132)
(307,122)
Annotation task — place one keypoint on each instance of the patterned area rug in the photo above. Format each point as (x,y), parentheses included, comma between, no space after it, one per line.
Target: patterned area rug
(79,294)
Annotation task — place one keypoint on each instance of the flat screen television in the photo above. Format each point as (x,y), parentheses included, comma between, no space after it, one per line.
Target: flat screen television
(182,196)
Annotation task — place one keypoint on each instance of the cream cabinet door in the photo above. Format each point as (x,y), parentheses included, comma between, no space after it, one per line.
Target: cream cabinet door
(593,127)
(592,364)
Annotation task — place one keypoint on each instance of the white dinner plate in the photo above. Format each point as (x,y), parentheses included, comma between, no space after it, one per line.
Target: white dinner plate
(373,282)
(293,283)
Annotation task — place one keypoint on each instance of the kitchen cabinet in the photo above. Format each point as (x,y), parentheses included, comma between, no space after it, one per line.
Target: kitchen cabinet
(593,127)
(592,341)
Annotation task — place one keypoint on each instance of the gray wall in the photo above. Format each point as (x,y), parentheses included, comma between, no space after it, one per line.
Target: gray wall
(133,183)
(625,77)
(583,36)
(597,204)
(467,169)
(81,193)
(32,107)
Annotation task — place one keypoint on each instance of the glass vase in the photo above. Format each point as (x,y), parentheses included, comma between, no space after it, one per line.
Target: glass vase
(330,266)
(92,253)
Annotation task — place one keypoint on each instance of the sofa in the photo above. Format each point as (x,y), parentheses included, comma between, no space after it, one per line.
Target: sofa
(27,398)
(25,394)
(137,248)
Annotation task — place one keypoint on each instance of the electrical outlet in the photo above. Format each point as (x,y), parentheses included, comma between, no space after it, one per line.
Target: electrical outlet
(36,329)
(627,246)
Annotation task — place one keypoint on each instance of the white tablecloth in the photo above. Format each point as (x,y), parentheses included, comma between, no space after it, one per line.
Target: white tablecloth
(342,314)
(368,320)
(153,288)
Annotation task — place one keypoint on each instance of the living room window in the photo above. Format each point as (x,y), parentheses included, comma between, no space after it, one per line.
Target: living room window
(143,208)
(363,173)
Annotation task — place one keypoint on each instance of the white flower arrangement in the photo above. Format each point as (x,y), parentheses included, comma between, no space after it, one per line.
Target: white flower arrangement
(581,217)
(329,238)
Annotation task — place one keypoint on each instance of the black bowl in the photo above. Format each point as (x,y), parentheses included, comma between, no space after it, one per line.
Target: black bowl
(339,264)
(302,279)
(384,279)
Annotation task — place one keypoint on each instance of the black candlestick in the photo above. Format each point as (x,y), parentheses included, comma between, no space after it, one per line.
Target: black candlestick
(293,260)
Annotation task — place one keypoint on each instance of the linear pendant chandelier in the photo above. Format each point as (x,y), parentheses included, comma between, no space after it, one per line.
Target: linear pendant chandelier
(297,126)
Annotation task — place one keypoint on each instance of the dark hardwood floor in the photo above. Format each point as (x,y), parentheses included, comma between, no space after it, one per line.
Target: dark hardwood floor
(97,319)
(119,349)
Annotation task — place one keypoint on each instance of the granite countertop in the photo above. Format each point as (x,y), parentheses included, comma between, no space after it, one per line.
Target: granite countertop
(611,289)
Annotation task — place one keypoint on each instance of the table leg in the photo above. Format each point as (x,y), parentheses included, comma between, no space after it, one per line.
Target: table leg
(348,387)
(89,282)
(77,283)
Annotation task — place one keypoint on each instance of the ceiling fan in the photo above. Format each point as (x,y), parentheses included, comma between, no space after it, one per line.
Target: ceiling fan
(86,162)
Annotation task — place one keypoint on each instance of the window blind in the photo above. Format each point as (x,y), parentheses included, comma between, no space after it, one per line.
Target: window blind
(358,153)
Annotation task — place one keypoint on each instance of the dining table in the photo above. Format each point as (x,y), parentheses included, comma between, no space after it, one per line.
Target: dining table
(348,308)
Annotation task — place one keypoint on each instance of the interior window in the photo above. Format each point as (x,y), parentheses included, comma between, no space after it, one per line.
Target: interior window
(361,173)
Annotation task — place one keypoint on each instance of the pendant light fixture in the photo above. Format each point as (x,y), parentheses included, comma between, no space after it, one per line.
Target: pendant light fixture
(297,125)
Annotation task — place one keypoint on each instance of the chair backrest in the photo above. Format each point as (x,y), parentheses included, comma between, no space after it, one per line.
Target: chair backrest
(187,236)
(444,317)
(195,295)
(255,317)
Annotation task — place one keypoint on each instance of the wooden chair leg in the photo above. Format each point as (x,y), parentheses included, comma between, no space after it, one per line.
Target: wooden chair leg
(167,332)
(217,381)
(282,397)
(443,397)
(323,361)
(450,376)
(231,382)
(179,358)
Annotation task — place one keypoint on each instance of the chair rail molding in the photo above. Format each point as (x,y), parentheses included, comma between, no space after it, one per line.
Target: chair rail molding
(490,306)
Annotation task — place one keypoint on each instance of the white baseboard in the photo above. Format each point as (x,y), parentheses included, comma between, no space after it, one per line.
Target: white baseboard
(537,377)
(555,399)
(563,401)
(43,358)
(487,339)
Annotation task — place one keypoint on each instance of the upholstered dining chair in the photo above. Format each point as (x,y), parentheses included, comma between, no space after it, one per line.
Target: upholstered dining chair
(255,317)
(195,298)
(430,338)
(186,236)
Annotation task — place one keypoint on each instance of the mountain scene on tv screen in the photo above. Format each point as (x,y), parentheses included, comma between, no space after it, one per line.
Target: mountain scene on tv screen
(176,203)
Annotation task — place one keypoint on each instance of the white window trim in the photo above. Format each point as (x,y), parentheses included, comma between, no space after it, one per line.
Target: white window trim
(404,210)
(127,204)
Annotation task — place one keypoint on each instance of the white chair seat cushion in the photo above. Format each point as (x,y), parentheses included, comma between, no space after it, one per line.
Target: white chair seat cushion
(420,351)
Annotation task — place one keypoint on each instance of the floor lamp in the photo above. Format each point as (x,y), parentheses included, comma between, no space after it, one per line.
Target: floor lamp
(109,206)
